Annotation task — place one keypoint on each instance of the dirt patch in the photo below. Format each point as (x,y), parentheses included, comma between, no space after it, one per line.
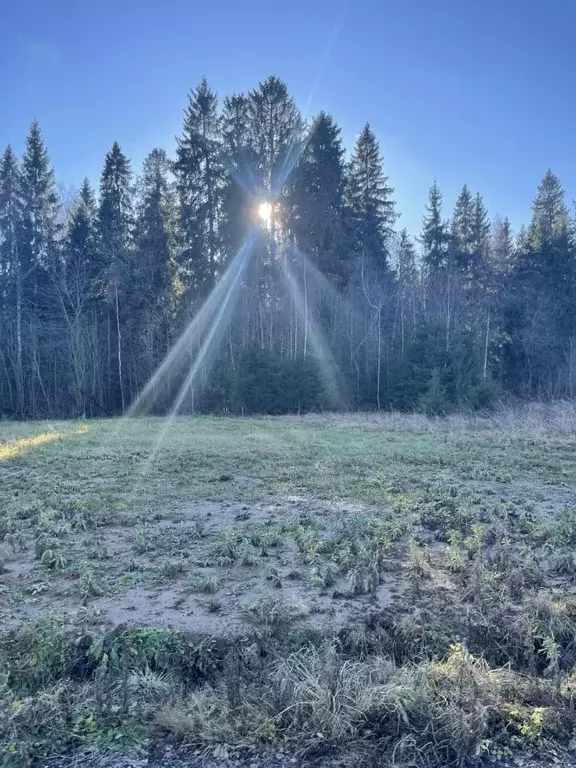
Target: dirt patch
(218,568)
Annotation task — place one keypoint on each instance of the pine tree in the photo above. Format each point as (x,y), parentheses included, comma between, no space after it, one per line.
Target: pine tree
(115,219)
(434,237)
(370,207)
(199,179)
(317,209)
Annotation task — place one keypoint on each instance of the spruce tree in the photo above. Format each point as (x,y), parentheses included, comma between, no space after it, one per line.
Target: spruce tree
(479,241)
(10,222)
(83,266)
(40,209)
(541,312)
(155,226)
(11,309)
(115,219)
(39,250)
(370,207)
(276,134)
(407,279)
(434,237)
(199,179)
(156,286)
(502,247)
(462,233)
(317,190)
(238,161)
(549,211)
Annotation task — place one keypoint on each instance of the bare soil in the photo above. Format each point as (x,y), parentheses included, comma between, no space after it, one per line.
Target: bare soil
(277,572)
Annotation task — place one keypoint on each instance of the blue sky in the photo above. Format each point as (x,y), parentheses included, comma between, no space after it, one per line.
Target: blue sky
(481,91)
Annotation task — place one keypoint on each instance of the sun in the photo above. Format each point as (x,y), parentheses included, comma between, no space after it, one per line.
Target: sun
(265,213)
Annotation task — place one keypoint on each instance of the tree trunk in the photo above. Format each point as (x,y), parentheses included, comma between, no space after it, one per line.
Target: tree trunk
(119,337)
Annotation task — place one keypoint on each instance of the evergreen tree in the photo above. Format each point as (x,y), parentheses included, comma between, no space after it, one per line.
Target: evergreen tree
(407,279)
(39,263)
(549,212)
(40,229)
(199,178)
(462,232)
(155,229)
(156,287)
(10,222)
(238,160)
(317,214)
(434,237)
(479,241)
(541,313)
(83,268)
(79,285)
(370,207)
(276,131)
(115,214)
(502,247)
(11,342)
(115,219)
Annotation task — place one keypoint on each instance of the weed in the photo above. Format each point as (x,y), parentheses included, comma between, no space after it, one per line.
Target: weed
(246,555)
(365,577)
(209,585)
(226,549)
(89,585)
(274,611)
(143,542)
(213,605)
(173,569)
(474,542)
(53,559)
(324,575)
(454,558)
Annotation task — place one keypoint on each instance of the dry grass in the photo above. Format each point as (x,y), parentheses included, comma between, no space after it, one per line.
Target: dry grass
(469,521)
(558,418)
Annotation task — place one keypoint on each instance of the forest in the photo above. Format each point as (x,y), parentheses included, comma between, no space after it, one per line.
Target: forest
(335,306)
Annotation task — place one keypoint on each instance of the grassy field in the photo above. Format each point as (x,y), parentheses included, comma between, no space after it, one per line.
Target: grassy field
(348,586)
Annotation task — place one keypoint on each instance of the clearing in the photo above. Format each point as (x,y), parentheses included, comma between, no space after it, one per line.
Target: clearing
(320,586)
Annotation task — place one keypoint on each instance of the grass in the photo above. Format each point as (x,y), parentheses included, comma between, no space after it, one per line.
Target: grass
(357,585)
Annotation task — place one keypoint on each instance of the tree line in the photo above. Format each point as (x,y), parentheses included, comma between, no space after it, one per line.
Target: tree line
(338,305)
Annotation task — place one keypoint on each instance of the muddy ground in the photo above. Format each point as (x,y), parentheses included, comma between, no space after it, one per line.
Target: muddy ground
(174,572)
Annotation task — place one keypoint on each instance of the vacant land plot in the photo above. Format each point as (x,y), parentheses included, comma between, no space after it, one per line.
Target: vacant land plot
(337,586)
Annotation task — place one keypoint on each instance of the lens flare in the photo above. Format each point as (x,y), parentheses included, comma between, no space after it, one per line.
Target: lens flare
(265,214)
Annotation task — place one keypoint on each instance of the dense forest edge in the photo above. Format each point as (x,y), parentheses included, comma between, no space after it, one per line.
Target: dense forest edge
(337,307)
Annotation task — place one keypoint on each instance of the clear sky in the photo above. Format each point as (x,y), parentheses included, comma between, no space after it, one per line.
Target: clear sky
(475,91)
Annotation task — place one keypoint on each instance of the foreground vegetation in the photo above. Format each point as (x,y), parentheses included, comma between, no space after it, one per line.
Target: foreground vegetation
(344,586)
